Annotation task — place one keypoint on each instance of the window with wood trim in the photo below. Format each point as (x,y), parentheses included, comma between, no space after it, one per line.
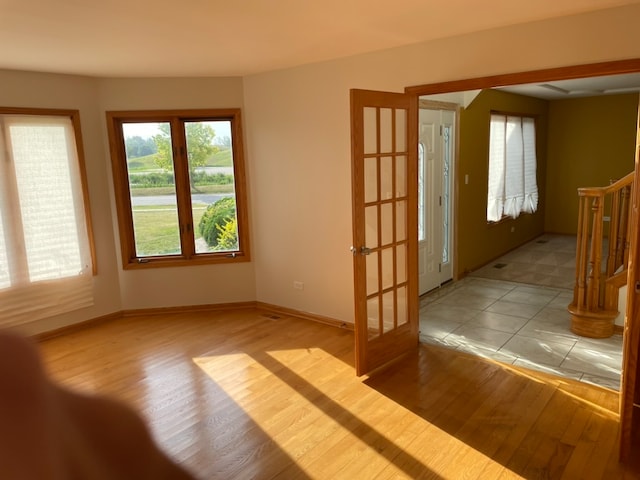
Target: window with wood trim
(180,186)
(512,185)
(46,248)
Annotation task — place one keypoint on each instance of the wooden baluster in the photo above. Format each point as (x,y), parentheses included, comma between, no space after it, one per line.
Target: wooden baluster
(595,257)
(579,290)
(614,234)
(625,224)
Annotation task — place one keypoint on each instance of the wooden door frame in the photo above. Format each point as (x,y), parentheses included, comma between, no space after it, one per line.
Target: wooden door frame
(630,387)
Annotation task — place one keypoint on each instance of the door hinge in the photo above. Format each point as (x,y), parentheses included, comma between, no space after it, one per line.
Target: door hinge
(439,268)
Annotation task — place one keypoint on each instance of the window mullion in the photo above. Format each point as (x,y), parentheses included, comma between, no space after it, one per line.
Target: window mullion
(183,187)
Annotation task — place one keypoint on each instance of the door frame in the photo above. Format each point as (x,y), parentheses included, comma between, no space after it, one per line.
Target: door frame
(630,387)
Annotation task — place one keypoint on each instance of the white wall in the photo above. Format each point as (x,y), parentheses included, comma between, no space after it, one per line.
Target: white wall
(299,139)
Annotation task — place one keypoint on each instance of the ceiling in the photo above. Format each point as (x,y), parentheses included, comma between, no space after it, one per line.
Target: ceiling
(579,87)
(150,38)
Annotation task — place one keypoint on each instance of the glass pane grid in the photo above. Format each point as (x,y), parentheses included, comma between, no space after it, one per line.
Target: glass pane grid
(385,173)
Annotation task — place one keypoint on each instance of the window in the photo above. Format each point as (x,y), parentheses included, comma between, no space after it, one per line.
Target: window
(46,253)
(180,186)
(512,167)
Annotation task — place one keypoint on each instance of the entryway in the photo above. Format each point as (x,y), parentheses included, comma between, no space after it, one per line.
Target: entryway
(520,322)
(436,154)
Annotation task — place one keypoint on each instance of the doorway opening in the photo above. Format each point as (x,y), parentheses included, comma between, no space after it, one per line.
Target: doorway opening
(492,316)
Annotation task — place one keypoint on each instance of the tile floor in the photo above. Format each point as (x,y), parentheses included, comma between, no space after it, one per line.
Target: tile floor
(520,324)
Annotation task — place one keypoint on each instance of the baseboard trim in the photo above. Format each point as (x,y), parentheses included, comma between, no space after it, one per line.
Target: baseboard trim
(76,327)
(212,307)
(304,315)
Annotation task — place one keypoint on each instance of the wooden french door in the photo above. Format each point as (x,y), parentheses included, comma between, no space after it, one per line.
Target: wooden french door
(630,385)
(385,238)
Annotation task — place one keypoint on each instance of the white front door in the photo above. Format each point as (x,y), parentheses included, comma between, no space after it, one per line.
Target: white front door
(435,198)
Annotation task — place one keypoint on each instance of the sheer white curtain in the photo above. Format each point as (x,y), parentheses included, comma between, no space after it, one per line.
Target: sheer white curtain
(45,256)
(512,167)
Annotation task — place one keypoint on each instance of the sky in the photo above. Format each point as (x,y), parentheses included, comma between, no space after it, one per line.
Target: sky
(147,130)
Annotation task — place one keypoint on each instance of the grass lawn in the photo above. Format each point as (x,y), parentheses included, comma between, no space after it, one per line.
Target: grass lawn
(156,229)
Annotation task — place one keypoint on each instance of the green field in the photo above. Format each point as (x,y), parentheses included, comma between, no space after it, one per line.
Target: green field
(147,164)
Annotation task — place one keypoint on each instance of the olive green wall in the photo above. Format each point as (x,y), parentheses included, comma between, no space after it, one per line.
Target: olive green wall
(582,142)
(590,141)
(478,241)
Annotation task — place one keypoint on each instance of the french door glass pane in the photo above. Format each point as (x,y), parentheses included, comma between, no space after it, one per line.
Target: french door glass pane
(373,284)
(373,317)
(387,268)
(370,179)
(386,220)
(401,176)
(386,178)
(386,130)
(388,312)
(370,130)
(149,154)
(403,316)
(212,185)
(371,226)
(401,221)
(401,263)
(401,130)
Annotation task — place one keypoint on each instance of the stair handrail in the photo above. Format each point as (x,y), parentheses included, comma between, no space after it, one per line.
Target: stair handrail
(590,294)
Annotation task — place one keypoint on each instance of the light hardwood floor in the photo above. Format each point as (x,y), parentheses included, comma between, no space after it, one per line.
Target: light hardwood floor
(237,394)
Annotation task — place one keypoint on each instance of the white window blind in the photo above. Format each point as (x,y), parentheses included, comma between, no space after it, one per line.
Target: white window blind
(45,256)
(512,186)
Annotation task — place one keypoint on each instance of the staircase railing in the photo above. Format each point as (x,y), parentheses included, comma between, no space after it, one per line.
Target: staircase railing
(602,253)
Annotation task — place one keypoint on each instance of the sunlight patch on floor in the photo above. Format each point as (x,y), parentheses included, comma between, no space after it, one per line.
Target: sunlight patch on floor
(393,442)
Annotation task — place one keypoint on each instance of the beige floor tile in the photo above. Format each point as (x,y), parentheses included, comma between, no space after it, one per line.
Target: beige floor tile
(518,315)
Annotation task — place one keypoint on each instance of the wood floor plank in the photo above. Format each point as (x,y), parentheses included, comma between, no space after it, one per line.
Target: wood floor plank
(237,394)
